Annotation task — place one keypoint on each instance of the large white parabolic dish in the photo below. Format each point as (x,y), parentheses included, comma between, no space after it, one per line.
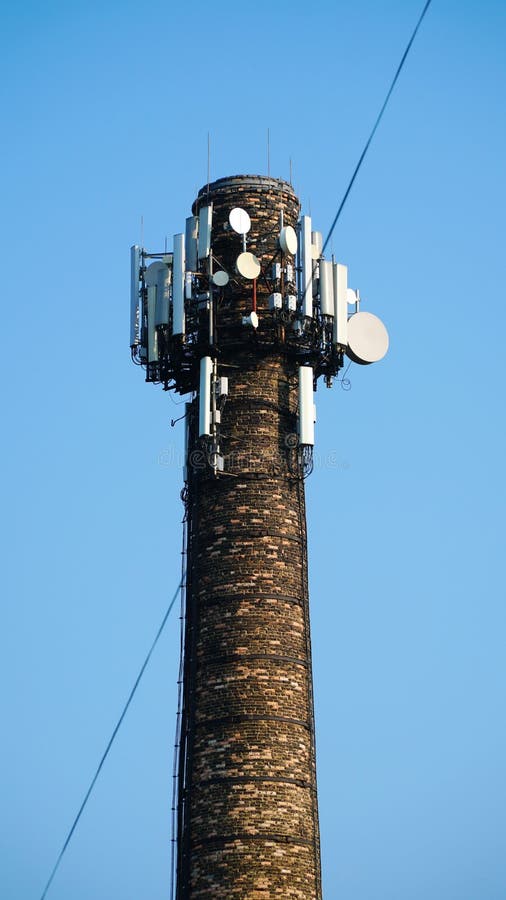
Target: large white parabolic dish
(367,338)
(239,220)
(288,240)
(248,265)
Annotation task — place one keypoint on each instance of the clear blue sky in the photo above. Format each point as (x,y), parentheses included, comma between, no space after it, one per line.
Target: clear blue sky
(105,112)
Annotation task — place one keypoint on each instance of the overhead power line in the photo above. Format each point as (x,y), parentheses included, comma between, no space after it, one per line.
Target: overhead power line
(111,740)
(378,120)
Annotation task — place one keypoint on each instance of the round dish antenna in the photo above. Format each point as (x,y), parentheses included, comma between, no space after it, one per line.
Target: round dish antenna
(288,240)
(367,338)
(351,297)
(248,265)
(220,278)
(239,220)
(251,320)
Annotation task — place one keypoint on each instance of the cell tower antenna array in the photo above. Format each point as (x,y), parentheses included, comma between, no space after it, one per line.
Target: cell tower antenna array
(245,315)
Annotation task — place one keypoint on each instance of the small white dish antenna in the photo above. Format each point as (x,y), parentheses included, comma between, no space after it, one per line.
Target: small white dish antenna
(367,338)
(288,240)
(251,320)
(351,297)
(239,220)
(248,265)
(220,278)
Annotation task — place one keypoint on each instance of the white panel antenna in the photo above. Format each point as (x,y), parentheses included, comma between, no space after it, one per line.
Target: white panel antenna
(205,225)
(306,406)
(163,295)
(192,227)
(326,288)
(206,368)
(135,264)
(306,262)
(316,244)
(178,317)
(340,305)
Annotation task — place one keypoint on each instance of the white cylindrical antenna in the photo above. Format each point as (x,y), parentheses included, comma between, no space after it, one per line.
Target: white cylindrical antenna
(206,368)
(306,407)
(306,262)
(340,305)
(326,288)
(191,243)
(135,264)
(205,224)
(178,318)
(163,295)
(316,244)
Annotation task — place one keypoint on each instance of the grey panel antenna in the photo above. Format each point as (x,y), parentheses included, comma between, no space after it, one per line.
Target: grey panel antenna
(135,264)
(192,228)
(151,278)
(178,316)
(163,295)
(205,224)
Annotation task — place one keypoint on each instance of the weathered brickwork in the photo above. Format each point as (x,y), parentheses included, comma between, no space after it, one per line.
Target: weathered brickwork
(251,823)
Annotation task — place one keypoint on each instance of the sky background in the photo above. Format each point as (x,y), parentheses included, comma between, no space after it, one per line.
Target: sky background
(105,113)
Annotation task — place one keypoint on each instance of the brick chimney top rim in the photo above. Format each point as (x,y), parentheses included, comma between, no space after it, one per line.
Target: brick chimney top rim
(239,181)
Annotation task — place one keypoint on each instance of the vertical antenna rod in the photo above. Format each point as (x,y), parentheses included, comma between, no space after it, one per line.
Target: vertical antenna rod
(208,161)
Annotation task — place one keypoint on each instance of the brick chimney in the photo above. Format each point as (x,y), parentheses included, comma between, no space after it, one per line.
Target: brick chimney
(247,804)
